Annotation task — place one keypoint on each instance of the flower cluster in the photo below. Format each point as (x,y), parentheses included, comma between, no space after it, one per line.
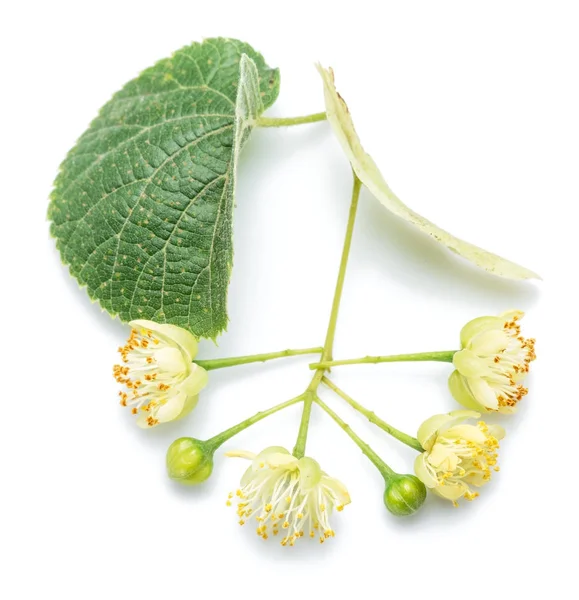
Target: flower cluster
(292,497)
(288,495)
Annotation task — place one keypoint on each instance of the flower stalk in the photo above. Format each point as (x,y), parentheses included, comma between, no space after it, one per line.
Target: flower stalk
(221,438)
(384,469)
(234,361)
(404,494)
(190,461)
(373,418)
(439,356)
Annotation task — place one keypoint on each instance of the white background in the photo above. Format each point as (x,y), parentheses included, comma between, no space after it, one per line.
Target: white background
(471,110)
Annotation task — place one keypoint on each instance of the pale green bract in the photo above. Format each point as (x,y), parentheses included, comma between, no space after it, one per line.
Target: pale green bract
(142,207)
(369,174)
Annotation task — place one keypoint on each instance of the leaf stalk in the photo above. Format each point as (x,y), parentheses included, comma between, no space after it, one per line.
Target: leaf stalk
(290,121)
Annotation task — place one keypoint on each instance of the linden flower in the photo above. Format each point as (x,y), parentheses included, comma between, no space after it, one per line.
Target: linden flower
(457,455)
(287,494)
(494,359)
(156,367)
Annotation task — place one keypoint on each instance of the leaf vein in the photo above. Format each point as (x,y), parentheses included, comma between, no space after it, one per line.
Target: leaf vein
(167,241)
(85,172)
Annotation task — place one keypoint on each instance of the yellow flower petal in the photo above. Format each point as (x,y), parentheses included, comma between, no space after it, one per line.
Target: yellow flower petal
(451,492)
(467,432)
(489,342)
(497,431)
(442,458)
(423,472)
(483,393)
(339,489)
(182,337)
(240,454)
(461,392)
(478,326)
(172,409)
(273,457)
(188,406)
(427,431)
(509,315)
(279,459)
(464,414)
(196,381)
(310,472)
(171,360)
(179,336)
(467,363)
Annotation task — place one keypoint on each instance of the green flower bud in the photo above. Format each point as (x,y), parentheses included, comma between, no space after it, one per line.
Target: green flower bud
(189,461)
(404,494)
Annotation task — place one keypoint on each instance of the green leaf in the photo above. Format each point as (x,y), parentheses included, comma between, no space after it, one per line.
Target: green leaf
(369,174)
(142,207)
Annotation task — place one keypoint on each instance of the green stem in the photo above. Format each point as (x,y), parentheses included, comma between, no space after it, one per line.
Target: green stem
(288,121)
(310,394)
(396,433)
(329,343)
(221,363)
(441,356)
(222,437)
(384,469)
(300,447)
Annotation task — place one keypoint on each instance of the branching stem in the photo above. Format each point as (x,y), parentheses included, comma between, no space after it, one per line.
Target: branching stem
(300,446)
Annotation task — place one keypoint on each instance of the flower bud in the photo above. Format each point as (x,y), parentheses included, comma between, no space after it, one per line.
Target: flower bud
(404,494)
(189,461)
